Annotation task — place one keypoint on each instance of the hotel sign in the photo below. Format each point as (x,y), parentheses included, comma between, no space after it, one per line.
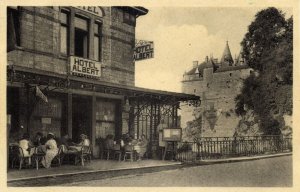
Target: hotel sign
(92,9)
(85,67)
(143,50)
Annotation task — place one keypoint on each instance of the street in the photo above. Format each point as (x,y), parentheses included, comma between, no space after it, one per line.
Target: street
(271,172)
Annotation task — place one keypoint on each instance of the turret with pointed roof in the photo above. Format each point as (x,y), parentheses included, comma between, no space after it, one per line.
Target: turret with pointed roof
(226,59)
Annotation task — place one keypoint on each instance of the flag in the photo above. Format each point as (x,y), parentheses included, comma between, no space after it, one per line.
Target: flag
(40,94)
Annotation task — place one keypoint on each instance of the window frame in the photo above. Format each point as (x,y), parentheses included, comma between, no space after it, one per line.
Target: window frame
(87,31)
(15,12)
(67,26)
(131,20)
(99,35)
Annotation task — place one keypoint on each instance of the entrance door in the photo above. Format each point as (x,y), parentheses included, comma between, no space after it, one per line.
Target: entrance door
(82,117)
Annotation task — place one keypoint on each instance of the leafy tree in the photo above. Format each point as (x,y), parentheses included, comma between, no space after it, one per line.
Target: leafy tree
(263,35)
(268,48)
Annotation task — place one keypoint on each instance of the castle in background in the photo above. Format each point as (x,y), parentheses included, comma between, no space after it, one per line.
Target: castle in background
(217,83)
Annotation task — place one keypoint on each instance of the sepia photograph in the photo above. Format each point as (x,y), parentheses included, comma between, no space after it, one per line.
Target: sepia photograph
(149,96)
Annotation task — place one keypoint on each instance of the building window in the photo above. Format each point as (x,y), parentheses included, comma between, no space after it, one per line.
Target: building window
(129,18)
(81,37)
(13,26)
(97,41)
(64,32)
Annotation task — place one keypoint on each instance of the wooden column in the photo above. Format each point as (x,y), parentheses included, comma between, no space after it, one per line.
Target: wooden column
(93,134)
(72,33)
(70,114)
(91,38)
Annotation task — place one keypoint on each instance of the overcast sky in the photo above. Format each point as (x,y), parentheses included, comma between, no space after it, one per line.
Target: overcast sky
(182,35)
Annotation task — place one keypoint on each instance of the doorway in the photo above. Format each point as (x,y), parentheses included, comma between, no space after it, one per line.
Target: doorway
(81,117)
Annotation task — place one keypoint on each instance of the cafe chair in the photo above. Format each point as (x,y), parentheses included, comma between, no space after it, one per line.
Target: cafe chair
(117,151)
(85,154)
(17,155)
(129,153)
(59,157)
(106,151)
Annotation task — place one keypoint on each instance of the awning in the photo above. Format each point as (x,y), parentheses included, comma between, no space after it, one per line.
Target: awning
(59,81)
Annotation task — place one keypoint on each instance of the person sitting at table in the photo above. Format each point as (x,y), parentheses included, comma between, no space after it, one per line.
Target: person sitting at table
(84,141)
(141,147)
(51,150)
(109,142)
(26,146)
(65,141)
(39,139)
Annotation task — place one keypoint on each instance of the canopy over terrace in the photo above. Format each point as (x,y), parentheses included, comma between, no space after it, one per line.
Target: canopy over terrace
(142,109)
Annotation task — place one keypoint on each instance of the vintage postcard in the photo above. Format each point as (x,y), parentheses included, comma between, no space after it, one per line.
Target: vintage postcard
(149,94)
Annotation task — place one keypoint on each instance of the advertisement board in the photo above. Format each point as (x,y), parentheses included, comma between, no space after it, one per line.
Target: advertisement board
(84,67)
(174,134)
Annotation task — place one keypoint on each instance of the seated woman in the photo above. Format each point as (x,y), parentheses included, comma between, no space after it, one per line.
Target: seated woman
(26,146)
(84,141)
(51,150)
(141,147)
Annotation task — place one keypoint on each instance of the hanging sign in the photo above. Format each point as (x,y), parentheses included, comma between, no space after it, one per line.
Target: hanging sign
(84,67)
(143,50)
(92,9)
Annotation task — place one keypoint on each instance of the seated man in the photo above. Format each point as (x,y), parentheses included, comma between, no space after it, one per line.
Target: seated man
(39,139)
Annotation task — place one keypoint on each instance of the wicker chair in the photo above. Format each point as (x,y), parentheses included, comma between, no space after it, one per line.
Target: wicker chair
(129,151)
(85,154)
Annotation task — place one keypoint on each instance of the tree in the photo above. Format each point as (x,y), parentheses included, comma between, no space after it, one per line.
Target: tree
(268,48)
(263,35)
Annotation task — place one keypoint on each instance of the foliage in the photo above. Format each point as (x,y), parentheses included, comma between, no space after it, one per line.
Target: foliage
(185,147)
(268,48)
(263,35)
(193,129)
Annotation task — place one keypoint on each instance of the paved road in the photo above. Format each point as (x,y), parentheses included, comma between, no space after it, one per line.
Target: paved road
(272,172)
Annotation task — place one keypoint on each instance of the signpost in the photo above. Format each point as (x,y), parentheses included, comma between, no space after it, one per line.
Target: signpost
(143,50)
(171,136)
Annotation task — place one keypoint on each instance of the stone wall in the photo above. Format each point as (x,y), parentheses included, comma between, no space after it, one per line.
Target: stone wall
(217,93)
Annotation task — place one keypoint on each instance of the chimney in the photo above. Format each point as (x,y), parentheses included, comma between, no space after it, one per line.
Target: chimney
(195,64)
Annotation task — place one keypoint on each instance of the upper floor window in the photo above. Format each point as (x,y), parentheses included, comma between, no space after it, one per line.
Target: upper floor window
(64,32)
(81,41)
(97,41)
(129,18)
(13,27)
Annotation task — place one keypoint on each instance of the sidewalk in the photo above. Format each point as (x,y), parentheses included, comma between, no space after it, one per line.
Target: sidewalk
(100,169)
(96,168)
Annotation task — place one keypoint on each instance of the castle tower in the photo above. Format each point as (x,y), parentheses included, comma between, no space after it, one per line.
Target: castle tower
(226,59)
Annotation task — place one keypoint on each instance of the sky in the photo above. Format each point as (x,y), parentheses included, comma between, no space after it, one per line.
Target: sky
(182,35)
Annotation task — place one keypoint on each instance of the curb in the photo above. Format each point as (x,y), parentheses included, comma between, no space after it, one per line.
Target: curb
(239,159)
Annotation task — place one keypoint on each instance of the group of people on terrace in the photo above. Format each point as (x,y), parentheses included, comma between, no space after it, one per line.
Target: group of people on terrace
(48,146)
(127,142)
